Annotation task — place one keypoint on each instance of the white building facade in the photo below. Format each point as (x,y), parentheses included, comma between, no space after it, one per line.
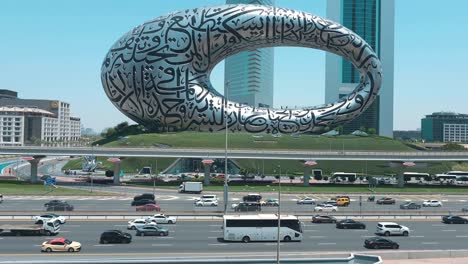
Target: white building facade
(455,133)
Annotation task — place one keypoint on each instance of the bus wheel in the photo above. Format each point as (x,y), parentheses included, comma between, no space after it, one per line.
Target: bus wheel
(246,239)
(287,239)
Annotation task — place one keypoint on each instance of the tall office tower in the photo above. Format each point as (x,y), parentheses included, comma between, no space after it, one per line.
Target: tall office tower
(373,20)
(250,73)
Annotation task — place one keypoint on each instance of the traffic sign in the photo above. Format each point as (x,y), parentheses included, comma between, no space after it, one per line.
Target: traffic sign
(50,181)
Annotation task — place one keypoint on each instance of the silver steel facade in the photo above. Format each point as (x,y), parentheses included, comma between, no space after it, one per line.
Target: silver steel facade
(373,20)
(250,73)
(159,72)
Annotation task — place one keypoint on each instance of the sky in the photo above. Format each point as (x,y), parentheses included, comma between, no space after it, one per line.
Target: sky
(53,49)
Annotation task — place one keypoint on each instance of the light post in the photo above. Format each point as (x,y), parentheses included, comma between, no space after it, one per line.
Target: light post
(279,217)
(226,147)
(154,176)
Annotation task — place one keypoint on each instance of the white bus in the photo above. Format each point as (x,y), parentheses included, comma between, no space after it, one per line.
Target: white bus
(338,176)
(415,175)
(458,173)
(261,227)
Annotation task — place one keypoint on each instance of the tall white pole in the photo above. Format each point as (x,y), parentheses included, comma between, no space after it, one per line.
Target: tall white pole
(279,218)
(226,147)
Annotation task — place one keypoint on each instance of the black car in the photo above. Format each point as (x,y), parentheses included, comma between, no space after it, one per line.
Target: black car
(115,236)
(378,242)
(410,205)
(148,196)
(53,202)
(150,230)
(323,219)
(143,202)
(244,207)
(252,198)
(350,224)
(454,219)
(62,206)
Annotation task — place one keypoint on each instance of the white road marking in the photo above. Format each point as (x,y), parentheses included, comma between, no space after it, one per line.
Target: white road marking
(107,245)
(462,200)
(361,230)
(235,199)
(416,236)
(316,236)
(120,225)
(461,236)
(212,237)
(161,245)
(216,231)
(366,236)
(73,225)
(327,243)
(171,198)
(438,225)
(429,243)
(214,225)
(217,244)
(451,230)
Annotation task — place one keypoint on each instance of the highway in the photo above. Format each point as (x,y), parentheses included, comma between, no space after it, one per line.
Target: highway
(237,153)
(171,202)
(188,237)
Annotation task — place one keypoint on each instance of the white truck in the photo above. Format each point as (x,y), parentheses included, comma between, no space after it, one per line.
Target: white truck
(191,187)
(46,229)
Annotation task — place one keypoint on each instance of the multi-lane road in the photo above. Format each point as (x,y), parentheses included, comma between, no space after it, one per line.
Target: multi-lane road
(171,201)
(188,237)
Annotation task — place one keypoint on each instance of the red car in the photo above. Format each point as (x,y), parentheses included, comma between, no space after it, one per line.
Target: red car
(148,207)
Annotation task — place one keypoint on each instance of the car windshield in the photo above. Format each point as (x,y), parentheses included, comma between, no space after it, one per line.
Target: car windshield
(68,241)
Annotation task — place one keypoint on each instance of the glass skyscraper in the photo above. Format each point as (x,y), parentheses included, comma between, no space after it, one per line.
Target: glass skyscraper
(373,20)
(250,73)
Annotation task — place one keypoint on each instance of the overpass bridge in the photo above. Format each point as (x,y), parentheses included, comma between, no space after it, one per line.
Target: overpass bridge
(36,153)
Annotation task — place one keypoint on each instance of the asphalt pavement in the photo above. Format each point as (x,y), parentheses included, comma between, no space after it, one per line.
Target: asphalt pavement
(206,236)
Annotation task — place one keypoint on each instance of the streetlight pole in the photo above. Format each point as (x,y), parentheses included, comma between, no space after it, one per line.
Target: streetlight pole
(279,217)
(226,147)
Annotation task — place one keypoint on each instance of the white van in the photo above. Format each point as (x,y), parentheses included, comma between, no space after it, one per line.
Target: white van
(207,197)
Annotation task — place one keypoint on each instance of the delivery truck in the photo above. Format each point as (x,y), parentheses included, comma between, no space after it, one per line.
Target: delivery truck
(191,187)
(46,229)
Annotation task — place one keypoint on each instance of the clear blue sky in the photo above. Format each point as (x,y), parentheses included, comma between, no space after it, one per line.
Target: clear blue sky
(53,49)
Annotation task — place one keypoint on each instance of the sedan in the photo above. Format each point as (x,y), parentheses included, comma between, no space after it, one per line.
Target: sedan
(454,219)
(148,207)
(350,224)
(326,208)
(47,217)
(207,203)
(151,231)
(143,202)
(60,244)
(378,242)
(386,200)
(140,222)
(323,219)
(64,206)
(269,202)
(306,200)
(53,203)
(432,203)
(410,205)
(162,219)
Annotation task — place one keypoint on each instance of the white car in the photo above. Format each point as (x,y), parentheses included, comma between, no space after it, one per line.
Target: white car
(139,222)
(326,208)
(207,197)
(306,200)
(39,219)
(162,219)
(207,203)
(390,228)
(432,203)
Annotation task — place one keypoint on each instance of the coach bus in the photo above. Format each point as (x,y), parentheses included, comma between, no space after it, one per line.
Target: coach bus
(261,227)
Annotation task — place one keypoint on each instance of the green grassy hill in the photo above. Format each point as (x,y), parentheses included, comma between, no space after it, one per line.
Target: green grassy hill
(249,141)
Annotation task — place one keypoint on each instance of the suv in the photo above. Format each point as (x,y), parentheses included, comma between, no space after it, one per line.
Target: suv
(386,200)
(244,207)
(432,203)
(115,236)
(252,197)
(390,228)
(207,197)
(148,196)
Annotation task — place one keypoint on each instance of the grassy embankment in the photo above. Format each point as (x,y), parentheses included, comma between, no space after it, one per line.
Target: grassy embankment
(11,187)
(248,141)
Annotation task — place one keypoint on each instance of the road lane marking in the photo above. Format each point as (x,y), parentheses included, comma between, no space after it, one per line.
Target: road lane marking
(416,236)
(367,236)
(438,225)
(326,243)
(219,244)
(212,237)
(316,236)
(361,230)
(215,225)
(73,225)
(429,243)
(451,230)
(120,225)
(107,245)
(161,245)
(461,236)
(216,231)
